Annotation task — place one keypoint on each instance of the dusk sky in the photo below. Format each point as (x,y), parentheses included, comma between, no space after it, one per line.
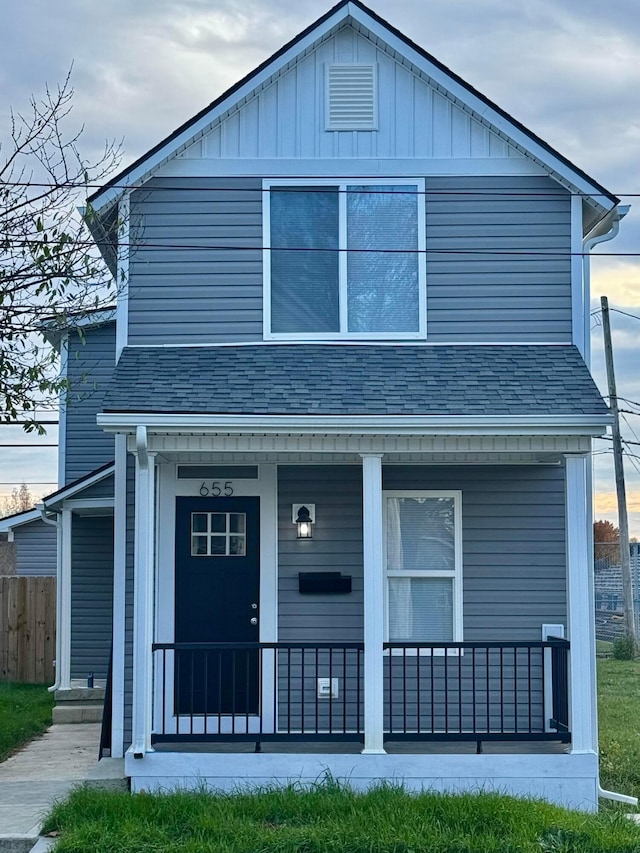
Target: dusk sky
(569,71)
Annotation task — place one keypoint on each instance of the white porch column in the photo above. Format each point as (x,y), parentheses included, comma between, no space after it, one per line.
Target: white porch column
(582,677)
(143,595)
(373,603)
(63,664)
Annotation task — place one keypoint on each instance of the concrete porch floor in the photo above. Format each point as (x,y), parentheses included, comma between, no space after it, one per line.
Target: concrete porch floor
(392,747)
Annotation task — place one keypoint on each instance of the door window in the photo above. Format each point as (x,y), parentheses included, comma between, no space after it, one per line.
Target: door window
(218,534)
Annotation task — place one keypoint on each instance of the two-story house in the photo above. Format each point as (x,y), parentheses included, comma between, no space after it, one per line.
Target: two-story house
(353,422)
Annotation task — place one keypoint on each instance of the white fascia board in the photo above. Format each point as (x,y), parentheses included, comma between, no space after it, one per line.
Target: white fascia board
(361,425)
(75,489)
(438,77)
(149,164)
(480,109)
(89,320)
(7,524)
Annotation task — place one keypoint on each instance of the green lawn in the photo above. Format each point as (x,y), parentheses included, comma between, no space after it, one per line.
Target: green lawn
(619,718)
(329,819)
(25,711)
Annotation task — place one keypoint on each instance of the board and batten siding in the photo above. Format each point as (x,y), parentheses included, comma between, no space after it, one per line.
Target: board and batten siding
(286,117)
(90,364)
(513,532)
(498,263)
(36,548)
(91,594)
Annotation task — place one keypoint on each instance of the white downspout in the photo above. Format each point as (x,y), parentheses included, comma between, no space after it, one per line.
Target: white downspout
(588,245)
(55,523)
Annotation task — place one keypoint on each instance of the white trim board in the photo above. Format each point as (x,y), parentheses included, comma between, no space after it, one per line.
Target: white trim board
(441,79)
(347,167)
(75,488)
(169,488)
(359,424)
(569,780)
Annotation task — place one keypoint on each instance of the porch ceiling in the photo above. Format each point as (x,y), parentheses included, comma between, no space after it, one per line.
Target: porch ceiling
(294,448)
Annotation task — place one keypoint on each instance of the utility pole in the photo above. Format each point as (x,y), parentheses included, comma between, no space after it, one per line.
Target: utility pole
(623,524)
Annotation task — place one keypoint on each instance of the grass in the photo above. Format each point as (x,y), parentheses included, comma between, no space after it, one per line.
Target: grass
(331,819)
(25,712)
(619,717)
(604,648)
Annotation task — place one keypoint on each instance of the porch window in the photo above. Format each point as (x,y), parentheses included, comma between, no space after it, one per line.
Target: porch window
(423,566)
(344,260)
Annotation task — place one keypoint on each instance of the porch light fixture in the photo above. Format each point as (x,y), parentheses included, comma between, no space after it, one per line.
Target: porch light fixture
(304,522)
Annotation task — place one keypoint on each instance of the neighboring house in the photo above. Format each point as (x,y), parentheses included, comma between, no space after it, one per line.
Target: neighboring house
(73,527)
(34,543)
(353,420)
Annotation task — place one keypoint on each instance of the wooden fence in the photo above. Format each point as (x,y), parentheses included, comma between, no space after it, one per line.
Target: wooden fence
(27,629)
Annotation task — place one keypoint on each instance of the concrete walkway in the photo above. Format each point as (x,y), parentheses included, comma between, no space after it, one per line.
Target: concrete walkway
(41,773)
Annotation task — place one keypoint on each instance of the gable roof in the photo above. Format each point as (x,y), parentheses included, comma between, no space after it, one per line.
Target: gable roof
(17,519)
(446,80)
(339,380)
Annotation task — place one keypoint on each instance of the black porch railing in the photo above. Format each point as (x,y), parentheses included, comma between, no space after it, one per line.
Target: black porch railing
(208,692)
(477,691)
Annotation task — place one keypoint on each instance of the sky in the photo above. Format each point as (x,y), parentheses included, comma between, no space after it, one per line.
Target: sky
(568,70)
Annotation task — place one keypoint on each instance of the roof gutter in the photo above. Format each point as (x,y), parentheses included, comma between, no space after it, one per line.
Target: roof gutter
(126,422)
(604,231)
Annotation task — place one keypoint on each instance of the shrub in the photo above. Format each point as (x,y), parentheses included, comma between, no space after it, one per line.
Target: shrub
(624,648)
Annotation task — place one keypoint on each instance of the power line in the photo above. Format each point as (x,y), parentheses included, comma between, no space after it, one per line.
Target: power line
(528,253)
(327,187)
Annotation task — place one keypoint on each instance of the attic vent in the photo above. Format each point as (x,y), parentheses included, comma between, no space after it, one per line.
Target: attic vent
(351,97)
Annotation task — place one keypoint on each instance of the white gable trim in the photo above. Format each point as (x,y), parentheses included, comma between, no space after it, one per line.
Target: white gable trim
(438,78)
(78,487)
(7,524)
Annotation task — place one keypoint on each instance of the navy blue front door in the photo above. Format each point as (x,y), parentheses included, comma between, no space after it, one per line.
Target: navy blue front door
(217,595)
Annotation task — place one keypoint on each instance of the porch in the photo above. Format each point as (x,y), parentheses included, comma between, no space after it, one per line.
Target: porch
(311,696)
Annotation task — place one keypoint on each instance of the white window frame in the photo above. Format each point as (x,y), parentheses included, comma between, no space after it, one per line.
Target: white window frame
(455,574)
(343,334)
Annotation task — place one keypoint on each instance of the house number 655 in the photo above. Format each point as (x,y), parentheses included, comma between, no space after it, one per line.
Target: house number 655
(216,489)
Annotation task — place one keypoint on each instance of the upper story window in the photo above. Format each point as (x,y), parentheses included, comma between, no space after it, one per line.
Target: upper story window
(344,259)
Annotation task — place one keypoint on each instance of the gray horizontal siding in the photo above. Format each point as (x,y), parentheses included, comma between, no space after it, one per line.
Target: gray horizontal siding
(91,595)
(498,267)
(513,547)
(36,548)
(336,545)
(518,287)
(196,271)
(102,489)
(90,364)
(513,544)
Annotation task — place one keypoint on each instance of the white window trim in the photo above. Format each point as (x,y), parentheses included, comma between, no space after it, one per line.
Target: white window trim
(455,574)
(342,183)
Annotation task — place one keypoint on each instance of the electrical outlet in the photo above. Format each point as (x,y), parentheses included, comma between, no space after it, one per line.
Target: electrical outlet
(327,688)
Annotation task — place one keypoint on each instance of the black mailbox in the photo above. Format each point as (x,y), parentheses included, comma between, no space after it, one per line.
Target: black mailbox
(323,583)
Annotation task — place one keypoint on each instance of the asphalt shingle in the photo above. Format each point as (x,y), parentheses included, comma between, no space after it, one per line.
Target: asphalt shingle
(335,379)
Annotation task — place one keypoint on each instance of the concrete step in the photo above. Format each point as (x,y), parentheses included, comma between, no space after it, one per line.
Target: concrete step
(80,694)
(88,712)
(108,774)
